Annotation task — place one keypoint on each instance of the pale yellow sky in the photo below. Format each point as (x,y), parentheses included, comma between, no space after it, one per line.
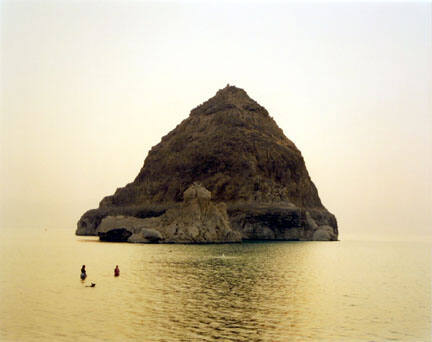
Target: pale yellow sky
(88,88)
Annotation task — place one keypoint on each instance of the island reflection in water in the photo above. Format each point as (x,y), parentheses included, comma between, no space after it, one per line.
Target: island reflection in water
(276,291)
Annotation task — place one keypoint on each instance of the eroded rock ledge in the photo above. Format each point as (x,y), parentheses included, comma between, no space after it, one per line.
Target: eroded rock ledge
(199,220)
(196,220)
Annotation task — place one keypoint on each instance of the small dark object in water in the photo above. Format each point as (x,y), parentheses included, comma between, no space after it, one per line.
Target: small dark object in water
(116,271)
(92,285)
(83,272)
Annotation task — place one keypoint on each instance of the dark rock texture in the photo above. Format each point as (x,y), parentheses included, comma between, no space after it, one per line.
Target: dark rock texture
(231,146)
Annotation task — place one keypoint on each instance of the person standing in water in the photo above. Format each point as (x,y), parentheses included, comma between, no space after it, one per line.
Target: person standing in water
(83,272)
(116,271)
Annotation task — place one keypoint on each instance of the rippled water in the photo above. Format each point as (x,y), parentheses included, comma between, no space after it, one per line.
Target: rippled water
(277,291)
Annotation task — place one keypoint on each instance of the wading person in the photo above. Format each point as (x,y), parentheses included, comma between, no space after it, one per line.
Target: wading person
(83,272)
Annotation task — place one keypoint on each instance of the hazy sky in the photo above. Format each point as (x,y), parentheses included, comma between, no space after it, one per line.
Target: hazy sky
(89,87)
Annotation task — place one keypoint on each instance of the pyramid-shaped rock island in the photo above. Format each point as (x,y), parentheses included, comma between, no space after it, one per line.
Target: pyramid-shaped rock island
(227,173)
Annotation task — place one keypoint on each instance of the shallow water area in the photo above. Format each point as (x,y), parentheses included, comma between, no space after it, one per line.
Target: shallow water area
(273,291)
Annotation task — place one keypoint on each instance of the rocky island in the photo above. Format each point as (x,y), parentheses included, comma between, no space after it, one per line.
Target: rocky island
(227,173)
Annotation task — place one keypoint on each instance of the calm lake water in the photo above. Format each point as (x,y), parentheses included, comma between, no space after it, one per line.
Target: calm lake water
(274,291)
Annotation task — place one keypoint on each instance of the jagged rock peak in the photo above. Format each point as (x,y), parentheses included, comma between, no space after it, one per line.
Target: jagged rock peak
(229,98)
(232,92)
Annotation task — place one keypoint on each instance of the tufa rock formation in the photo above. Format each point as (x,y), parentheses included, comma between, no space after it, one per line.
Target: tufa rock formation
(196,220)
(232,147)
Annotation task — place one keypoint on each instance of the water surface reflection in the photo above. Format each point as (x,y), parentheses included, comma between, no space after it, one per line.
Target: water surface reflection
(249,292)
(278,291)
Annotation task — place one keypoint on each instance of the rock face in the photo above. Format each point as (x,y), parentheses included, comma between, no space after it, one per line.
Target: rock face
(196,220)
(233,148)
